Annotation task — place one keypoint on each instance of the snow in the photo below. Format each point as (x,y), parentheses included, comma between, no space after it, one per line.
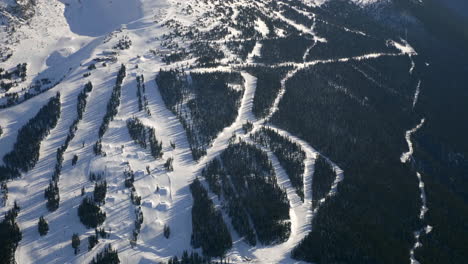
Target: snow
(61,42)
(426,229)
(416,93)
(262,28)
(256,52)
(405,156)
(404,47)
(358,2)
(96,18)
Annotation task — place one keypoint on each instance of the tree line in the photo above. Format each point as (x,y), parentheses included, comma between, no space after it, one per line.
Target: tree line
(25,153)
(204,103)
(209,232)
(10,235)
(145,137)
(52,192)
(290,155)
(360,125)
(111,109)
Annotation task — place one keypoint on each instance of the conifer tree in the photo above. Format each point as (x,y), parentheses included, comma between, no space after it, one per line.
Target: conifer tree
(43,226)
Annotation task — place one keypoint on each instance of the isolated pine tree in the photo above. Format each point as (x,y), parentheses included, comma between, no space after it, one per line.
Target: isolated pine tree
(167,231)
(74,160)
(93,240)
(76,243)
(43,226)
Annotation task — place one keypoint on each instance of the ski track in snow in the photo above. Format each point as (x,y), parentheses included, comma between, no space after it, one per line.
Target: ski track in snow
(172,204)
(416,93)
(405,156)
(426,229)
(423,210)
(301,213)
(256,52)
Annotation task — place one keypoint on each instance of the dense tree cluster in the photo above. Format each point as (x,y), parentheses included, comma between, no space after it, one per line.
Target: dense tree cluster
(3,193)
(208,54)
(124,43)
(15,98)
(247,127)
(192,258)
(288,49)
(107,256)
(359,124)
(246,19)
(290,155)
(143,103)
(323,179)
(114,102)
(139,94)
(172,85)
(137,131)
(137,225)
(90,214)
(19,71)
(256,191)
(175,56)
(129,178)
(99,194)
(214,174)
(219,183)
(52,195)
(144,136)
(93,240)
(97,148)
(356,44)
(268,86)
(25,153)
(241,48)
(136,200)
(82,99)
(441,147)
(210,233)
(205,105)
(10,235)
(155,145)
(52,191)
(258,207)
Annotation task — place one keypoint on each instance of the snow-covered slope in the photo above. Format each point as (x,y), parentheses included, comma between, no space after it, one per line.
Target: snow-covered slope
(60,43)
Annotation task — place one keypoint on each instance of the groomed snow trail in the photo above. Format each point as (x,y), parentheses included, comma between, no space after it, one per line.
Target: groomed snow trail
(301,212)
(416,94)
(405,156)
(256,52)
(426,229)
(166,197)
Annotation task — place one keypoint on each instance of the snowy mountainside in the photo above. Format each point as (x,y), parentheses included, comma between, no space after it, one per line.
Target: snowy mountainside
(216,127)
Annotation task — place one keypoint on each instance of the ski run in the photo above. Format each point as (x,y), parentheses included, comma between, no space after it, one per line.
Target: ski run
(165,195)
